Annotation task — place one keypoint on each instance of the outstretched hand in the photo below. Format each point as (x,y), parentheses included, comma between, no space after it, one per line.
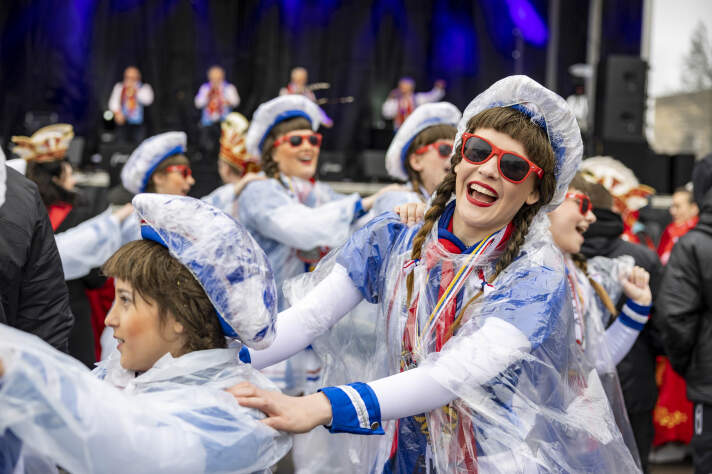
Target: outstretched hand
(636,286)
(284,413)
(410,213)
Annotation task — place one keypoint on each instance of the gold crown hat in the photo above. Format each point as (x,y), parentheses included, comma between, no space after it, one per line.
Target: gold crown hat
(627,192)
(46,144)
(233,149)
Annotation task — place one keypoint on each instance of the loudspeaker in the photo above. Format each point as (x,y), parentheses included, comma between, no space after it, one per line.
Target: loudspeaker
(373,164)
(620,113)
(681,170)
(332,165)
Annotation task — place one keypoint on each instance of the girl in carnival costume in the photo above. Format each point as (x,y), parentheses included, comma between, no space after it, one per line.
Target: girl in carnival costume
(291,215)
(603,334)
(477,341)
(157,404)
(419,154)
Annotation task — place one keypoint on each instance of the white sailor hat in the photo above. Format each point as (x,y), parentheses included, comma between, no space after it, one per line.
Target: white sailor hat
(546,109)
(426,115)
(277,110)
(222,256)
(147,156)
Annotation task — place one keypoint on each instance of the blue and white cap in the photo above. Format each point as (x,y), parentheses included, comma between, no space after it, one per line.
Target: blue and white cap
(224,258)
(145,159)
(426,115)
(546,109)
(277,110)
(3,177)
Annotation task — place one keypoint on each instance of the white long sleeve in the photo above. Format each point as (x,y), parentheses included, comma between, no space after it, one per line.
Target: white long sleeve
(313,315)
(115,98)
(390,108)
(145,94)
(201,98)
(618,340)
(499,343)
(231,95)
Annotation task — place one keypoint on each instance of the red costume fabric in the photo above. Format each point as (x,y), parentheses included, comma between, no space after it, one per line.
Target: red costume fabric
(672,417)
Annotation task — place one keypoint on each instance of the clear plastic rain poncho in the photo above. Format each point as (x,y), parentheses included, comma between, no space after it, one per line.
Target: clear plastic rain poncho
(526,398)
(597,318)
(176,416)
(3,177)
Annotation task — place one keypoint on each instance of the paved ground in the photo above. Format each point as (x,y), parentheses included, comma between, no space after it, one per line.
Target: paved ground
(679,468)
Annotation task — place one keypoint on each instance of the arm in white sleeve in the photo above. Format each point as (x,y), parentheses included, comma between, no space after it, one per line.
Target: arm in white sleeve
(201,99)
(360,408)
(390,108)
(231,95)
(270,210)
(115,98)
(434,95)
(145,94)
(310,317)
(621,335)
(88,245)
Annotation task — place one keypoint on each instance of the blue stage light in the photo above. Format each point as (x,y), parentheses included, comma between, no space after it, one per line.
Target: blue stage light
(530,24)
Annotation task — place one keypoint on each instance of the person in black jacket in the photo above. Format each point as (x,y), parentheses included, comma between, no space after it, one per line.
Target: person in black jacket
(685,306)
(47,166)
(33,294)
(637,370)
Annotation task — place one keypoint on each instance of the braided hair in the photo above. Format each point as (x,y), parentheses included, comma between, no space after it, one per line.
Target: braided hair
(538,149)
(271,167)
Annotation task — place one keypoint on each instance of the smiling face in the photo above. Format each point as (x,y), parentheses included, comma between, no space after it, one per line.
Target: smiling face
(486,202)
(173,178)
(296,161)
(137,328)
(431,166)
(568,224)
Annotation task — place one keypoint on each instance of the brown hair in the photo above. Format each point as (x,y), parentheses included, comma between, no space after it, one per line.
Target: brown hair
(179,159)
(271,167)
(538,149)
(590,189)
(43,174)
(426,137)
(162,280)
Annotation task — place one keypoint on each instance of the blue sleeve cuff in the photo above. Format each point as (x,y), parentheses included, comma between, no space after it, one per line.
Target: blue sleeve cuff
(354,408)
(358,210)
(634,315)
(245,355)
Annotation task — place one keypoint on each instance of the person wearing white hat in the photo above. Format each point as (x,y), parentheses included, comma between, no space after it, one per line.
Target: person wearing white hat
(194,281)
(475,358)
(293,217)
(420,154)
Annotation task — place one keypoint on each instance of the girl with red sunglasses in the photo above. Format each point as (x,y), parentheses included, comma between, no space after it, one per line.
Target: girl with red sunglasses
(604,335)
(420,154)
(293,217)
(471,365)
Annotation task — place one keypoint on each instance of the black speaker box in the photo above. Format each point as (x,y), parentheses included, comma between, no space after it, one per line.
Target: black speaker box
(620,99)
(373,164)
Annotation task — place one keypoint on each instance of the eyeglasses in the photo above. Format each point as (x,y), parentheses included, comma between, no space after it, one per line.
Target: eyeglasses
(513,167)
(184,170)
(444,149)
(584,202)
(295,140)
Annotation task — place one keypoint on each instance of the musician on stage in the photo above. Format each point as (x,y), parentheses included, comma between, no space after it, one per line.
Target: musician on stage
(403,100)
(128,98)
(298,85)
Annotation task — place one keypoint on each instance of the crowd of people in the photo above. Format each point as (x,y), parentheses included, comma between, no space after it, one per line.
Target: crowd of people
(493,310)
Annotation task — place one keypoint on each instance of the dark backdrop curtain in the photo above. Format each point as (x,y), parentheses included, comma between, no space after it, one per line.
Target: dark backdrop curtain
(65,56)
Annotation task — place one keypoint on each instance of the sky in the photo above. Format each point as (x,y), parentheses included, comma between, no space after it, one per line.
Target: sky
(672,24)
